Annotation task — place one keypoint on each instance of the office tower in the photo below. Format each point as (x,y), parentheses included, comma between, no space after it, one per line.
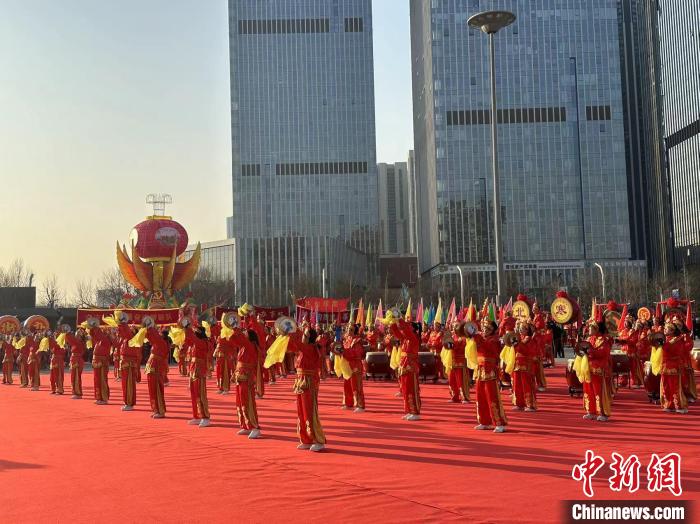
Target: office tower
(561,143)
(394,208)
(303,144)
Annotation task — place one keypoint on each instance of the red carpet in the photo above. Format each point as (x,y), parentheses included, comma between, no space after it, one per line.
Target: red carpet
(70,460)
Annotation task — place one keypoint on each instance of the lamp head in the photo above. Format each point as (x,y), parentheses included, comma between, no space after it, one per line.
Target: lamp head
(491,21)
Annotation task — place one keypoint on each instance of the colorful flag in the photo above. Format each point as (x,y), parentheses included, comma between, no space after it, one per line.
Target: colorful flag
(420,312)
(471,312)
(426,316)
(379,315)
(368,320)
(492,313)
(439,314)
(452,313)
(360,313)
(407,317)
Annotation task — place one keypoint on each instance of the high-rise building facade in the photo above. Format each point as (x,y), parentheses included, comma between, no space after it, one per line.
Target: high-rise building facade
(303,137)
(394,208)
(679,36)
(561,141)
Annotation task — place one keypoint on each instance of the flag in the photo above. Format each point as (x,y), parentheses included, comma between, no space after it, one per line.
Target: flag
(485,308)
(419,313)
(492,313)
(452,313)
(407,317)
(593,308)
(360,313)
(368,320)
(509,305)
(352,316)
(426,316)
(439,314)
(431,314)
(623,317)
(379,315)
(689,318)
(462,314)
(471,312)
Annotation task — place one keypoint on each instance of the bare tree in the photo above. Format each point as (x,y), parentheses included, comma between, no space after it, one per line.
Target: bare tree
(17,274)
(85,294)
(51,293)
(205,289)
(111,288)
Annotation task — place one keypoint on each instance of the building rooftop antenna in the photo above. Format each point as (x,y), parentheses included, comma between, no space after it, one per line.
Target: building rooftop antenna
(159,201)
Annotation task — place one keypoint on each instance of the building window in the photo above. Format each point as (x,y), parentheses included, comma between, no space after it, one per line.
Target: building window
(598,113)
(320,168)
(353,25)
(276,26)
(527,115)
(250,169)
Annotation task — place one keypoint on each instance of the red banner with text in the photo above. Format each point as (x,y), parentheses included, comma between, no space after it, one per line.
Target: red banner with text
(269,314)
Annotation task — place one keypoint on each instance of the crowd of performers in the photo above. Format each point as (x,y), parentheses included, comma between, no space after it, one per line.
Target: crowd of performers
(242,353)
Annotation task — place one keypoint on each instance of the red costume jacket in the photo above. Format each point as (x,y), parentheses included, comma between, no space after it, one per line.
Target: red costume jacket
(673,355)
(101,343)
(599,354)
(488,353)
(198,352)
(354,351)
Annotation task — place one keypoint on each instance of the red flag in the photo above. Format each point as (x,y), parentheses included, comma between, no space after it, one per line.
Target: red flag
(462,313)
(452,313)
(623,317)
(689,317)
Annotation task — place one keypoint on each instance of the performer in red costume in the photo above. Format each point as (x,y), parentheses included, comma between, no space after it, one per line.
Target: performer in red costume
(524,389)
(408,364)
(225,354)
(323,342)
(130,362)
(458,375)
(597,397)
(307,363)
(77,351)
(540,337)
(198,350)
(686,370)
(101,344)
(57,366)
(628,338)
(672,396)
(33,362)
(116,357)
(8,358)
(249,321)
(489,406)
(354,352)
(22,346)
(508,324)
(244,379)
(157,367)
(435,347)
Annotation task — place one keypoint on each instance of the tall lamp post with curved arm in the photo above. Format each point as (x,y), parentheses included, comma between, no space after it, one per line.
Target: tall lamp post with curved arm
(490,22)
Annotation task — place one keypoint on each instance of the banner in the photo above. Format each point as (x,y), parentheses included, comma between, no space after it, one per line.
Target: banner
(269,314)
(323,317)
(160,316)
(324,305)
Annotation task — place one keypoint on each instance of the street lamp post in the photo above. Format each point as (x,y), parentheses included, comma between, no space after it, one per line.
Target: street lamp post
(490,22)
(461,282)
(602,277)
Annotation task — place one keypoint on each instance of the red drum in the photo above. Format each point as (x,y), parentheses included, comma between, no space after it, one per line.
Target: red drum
(377,364)
(428,365)
(652,384)
(620,363)
(695,359)
(575,386)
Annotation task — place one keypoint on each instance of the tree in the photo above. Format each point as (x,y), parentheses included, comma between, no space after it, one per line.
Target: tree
(17,274)
(85,294)
(205,289)
(111,288)
(51,293)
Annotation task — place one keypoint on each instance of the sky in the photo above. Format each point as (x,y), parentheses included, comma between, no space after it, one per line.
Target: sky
(103,102)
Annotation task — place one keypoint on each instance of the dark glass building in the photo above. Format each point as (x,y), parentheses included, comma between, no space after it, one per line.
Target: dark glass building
(303,143)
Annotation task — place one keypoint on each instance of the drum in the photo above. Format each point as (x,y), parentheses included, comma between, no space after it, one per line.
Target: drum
(652,384)
(575,386)
(377,364)
(620,363)
(695,359)
(428,367)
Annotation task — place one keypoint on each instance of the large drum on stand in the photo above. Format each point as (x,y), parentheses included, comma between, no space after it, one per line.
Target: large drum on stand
(575,386)
(377,364)
(621,366)
(652,384)
(427,365)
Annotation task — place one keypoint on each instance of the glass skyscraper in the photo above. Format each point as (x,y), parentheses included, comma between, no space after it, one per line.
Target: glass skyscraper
(561,140)
(679,35)
(303,137)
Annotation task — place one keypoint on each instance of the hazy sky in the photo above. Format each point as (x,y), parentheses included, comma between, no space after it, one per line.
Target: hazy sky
(104,101)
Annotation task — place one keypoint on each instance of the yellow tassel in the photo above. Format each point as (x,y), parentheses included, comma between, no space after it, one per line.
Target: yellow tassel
(276,352)
(177,335)
(207,328)
(470,354)
(447,360)
(61,340)
(226,332)
(88,343)
(20,343)
(176,354)
(342,367)
(395,358)
(508,358)
(656,359)
(110,321)
(138,339)
(582,368)
(44,345)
